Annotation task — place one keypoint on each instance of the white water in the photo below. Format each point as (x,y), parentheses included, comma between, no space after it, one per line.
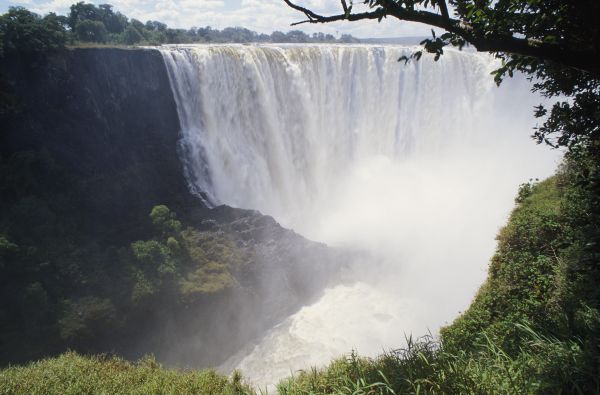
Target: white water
(418,164)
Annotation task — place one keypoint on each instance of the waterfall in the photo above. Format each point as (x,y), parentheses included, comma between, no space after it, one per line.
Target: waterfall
(263,126)
(418,163)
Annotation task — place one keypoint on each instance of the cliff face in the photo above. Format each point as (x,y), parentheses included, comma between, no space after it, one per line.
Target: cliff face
(90,148)
(106,116)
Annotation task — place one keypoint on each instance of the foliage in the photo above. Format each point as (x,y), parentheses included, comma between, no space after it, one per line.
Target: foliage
(71,373)
(132,36)
(525,190)
(91,31)
(207,279)
(68,283)
(522,274)
(216,258)
(24,32)
(542,273)
(83,319)
(573,123)
(153,256)
(71,288)
(114,22)
(424,366)
(165,220)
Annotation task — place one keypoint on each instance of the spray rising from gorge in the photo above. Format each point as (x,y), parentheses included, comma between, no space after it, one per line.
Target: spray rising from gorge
(414,163)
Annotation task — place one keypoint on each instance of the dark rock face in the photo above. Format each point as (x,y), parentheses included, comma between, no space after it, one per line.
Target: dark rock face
(105,115)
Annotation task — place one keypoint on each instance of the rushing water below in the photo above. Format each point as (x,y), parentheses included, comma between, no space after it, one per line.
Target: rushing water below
(416,163)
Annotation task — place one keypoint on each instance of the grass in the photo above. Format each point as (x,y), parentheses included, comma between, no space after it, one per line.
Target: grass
(71,373)
(424,366)
(546,365)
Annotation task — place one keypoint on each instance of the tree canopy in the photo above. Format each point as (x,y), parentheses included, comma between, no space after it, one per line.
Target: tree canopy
(23,31)
(26,32)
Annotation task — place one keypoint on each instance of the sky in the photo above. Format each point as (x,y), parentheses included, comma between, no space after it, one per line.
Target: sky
(263,16)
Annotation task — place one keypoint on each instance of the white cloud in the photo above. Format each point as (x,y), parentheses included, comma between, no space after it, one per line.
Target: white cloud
(263,16)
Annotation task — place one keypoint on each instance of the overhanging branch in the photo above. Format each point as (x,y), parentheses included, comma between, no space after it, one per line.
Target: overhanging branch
(316,18)
(582,60)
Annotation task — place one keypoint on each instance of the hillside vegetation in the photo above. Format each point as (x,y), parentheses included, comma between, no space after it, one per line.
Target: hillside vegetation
(66,301)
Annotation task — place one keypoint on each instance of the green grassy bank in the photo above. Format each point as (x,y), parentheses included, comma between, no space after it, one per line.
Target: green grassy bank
(71,373)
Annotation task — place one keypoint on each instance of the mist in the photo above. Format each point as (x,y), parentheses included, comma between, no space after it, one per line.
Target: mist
(415,165)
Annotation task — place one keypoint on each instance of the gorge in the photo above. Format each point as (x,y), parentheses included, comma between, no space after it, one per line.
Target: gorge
(406,172)
(416,164)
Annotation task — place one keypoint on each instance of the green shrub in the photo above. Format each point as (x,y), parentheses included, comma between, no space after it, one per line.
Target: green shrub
(165,220)
(153,257)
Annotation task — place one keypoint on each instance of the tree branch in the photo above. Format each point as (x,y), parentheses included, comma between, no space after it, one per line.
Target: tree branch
(444,8)
(582,60)
(345,7)
(316,18)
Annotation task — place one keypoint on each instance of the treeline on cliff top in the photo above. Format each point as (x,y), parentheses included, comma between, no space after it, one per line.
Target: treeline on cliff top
(23,30)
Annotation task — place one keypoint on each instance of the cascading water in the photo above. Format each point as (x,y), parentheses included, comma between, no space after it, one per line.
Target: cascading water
(416,163)
(265,125)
